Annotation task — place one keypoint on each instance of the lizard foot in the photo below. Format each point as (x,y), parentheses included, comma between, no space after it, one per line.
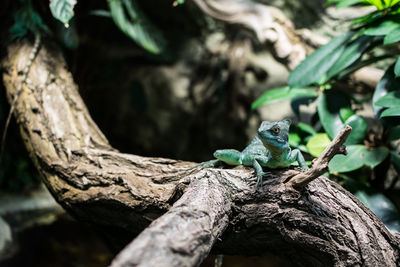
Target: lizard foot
(257,180)
(305,168)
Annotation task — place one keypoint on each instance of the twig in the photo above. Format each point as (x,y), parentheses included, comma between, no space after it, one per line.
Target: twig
(320,164)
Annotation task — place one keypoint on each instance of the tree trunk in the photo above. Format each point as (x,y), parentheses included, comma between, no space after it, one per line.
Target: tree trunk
(190,212)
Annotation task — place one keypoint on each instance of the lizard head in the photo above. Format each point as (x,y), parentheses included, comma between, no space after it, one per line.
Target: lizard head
(274,135)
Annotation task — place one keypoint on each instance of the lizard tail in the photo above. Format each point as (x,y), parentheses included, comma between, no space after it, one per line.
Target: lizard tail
(25,72)
(206,164)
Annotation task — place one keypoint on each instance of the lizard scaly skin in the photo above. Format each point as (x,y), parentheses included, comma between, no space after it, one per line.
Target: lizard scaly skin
(269,148)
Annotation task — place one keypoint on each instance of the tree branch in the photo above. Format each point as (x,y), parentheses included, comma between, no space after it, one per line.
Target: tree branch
(185,234)
(320,164)
(321,225)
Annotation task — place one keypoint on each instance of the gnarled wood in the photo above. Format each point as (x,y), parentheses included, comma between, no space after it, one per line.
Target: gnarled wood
(185,234)
(267,22)
(318,226)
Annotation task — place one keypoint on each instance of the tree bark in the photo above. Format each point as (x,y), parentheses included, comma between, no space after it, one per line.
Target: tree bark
(320,225)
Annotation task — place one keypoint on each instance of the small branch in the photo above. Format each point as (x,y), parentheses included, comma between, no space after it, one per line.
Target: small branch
(320,165)
(185,234)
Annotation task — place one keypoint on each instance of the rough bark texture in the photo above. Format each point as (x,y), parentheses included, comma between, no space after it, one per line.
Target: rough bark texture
(321,225)
(186,233)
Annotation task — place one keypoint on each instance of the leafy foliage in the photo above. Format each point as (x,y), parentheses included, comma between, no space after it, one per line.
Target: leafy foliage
(317,144)
(329,105)
(282,94)
(392,37)
(389,83)
(130,20)
(335,61)
(397,68)
(318,63)
(381,206)
(126,14)
(379,4)
(63,10)
(26,20)
(360,126)
(358,156)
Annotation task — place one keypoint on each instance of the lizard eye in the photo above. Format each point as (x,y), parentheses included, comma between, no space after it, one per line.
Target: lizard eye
(275,130)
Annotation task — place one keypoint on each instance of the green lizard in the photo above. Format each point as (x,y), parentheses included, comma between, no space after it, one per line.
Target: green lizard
(269,148)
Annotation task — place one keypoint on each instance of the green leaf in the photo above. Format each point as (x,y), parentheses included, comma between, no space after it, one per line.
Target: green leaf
(303,148)
(132,21)
(346,3)
(390,3)
(294,140)
(392,37)
(391,112)
(101,13)
(315,65)
(317,144)
(387,84)
(397,68)
(376,3)
(395,157)
(394,2)
(329,105)
(283,93)
(369,18)
(63,10)
(351,53)
(329,2)
(375,156)
(357,157)
(306,128)
(391,99)
(383,208)
(26,19)
(346,113)
(394,134)
(345,163)
(360,127)
(382,28)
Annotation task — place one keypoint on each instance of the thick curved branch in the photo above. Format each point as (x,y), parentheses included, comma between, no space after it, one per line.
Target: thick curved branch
(184,235)
(321,225)
(73,156)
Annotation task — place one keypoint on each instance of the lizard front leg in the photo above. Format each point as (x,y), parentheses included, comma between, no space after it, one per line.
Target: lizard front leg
(258,162)
(296,155)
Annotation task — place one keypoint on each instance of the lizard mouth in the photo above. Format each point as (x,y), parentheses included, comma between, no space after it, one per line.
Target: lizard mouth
(280,140)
